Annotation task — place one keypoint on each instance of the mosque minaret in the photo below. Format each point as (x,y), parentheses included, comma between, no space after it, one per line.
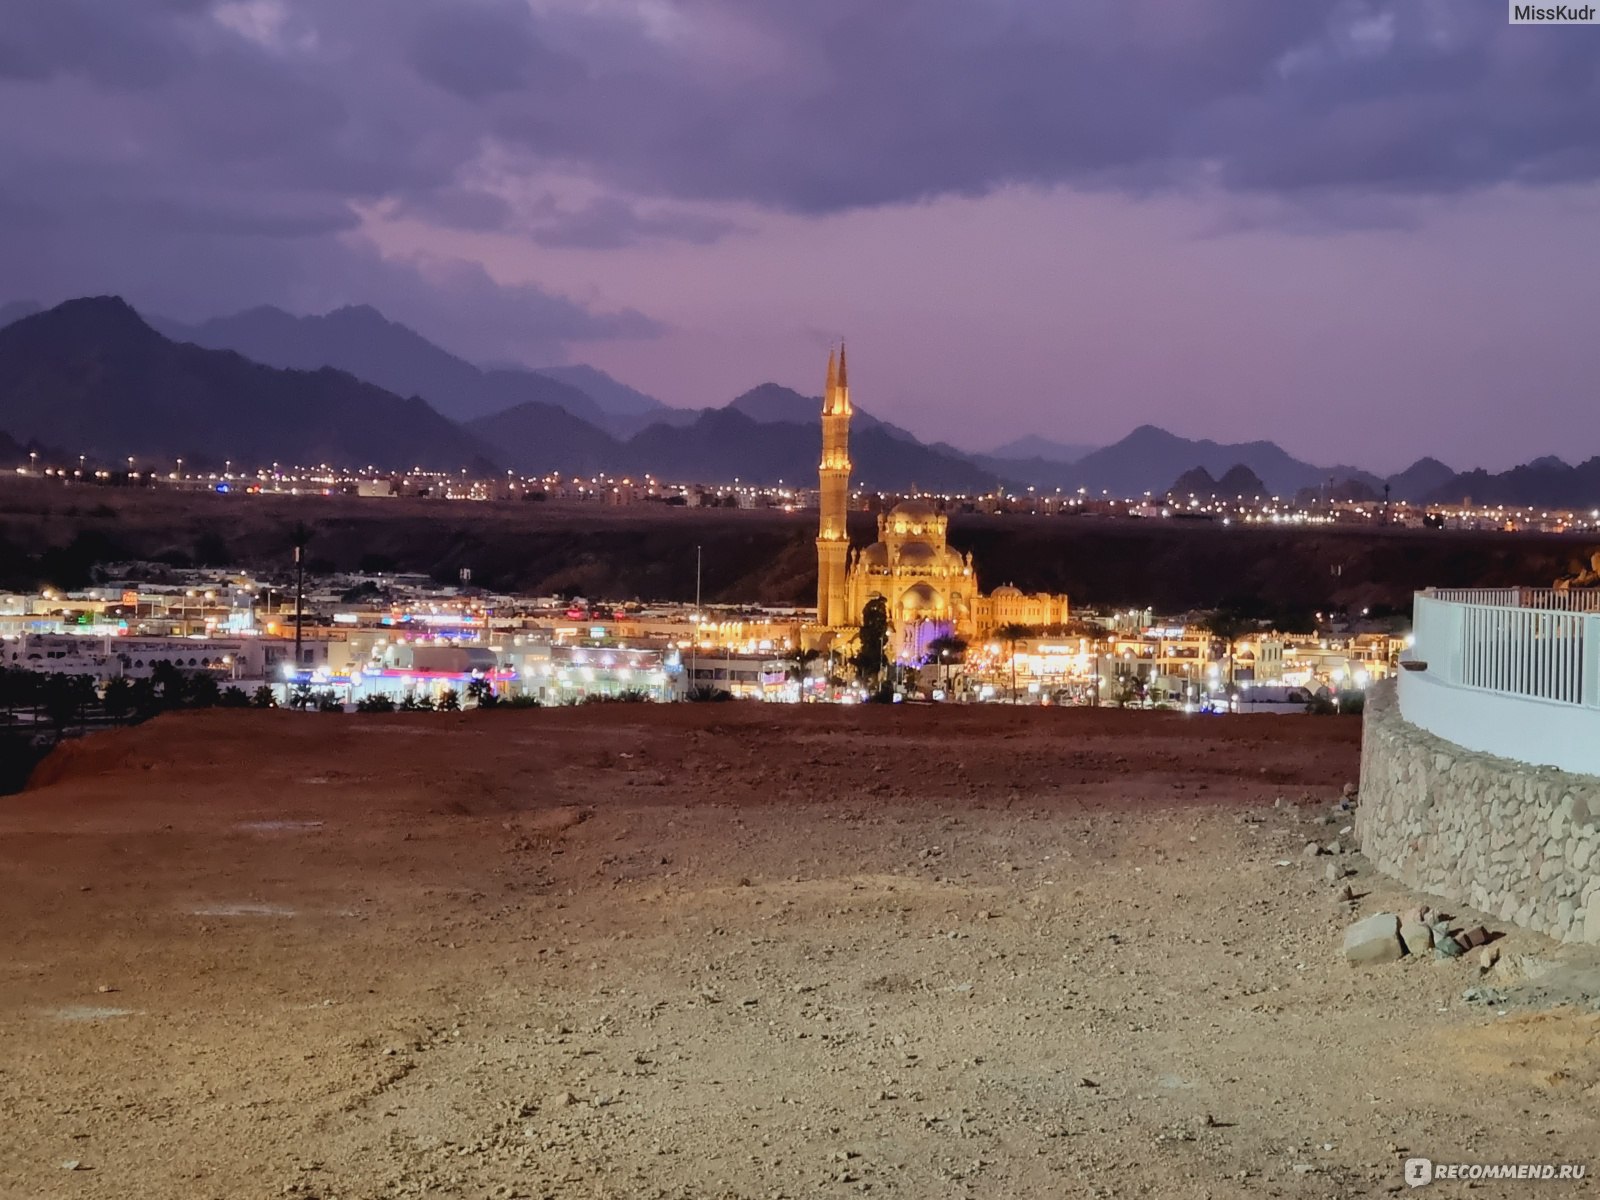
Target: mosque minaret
(929,588)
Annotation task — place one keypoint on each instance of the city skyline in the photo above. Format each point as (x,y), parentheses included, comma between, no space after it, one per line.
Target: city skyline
(1342,227)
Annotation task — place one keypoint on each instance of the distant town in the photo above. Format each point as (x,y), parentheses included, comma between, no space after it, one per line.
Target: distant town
(405,638)
(284,479)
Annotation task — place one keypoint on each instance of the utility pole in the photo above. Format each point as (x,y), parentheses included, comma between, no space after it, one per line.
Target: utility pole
(301,536)
(299,599)
(694,650)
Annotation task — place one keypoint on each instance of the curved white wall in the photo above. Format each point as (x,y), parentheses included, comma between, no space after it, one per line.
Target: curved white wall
(1521,728)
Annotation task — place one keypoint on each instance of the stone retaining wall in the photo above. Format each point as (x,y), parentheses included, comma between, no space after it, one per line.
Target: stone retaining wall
(1520,842)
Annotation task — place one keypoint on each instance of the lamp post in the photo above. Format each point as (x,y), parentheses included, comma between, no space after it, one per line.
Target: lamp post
(301,536)
(694,650)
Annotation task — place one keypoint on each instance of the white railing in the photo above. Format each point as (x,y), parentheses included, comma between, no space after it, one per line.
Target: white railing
(1511,679)
(1585,600)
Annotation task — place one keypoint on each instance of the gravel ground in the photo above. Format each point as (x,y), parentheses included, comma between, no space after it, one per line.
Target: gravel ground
(739,951)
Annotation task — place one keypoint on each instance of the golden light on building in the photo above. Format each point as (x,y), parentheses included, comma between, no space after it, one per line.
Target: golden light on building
(924,582)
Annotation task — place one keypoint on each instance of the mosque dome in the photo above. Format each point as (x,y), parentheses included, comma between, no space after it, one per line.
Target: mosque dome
(1006,590)
(914,510)
(918,554)
(919,597)
(875,555)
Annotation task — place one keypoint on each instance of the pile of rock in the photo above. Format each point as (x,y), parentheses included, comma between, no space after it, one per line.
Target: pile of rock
(1389,937)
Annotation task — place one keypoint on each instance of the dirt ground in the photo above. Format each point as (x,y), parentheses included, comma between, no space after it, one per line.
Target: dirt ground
(735,951)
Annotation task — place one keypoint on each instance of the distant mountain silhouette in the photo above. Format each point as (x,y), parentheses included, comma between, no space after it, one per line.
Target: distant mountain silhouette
(1239,481)
(92,377)
(361,340)
(17,309)
(14,454)
(1034,446)
(723,443)
(1545,482)
(1149,459)
(538,439)
(1420,479)
(614,398)
(1196,481)
(624,426)
(769,402)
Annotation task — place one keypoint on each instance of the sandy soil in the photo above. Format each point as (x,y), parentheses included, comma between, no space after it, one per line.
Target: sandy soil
(730,951)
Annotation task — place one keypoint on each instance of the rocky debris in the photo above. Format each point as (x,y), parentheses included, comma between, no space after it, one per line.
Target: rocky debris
(1487,957)
(1376,939)
(1418,938)
(1386,937)
(1348,791)
(1312,850)
(1484,995)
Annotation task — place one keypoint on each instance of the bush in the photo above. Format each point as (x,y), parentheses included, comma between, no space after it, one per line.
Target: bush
(705,694)
(376,703)
(328,702)
(262,697)
(631,696)
(411,702)
(234,697)
(117,698)
(204,691)
(522,701)
(449,701)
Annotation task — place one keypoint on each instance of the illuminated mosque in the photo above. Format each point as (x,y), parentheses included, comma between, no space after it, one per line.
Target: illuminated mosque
(930,589)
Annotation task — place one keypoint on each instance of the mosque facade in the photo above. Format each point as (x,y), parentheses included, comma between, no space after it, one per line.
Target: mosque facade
(930,588)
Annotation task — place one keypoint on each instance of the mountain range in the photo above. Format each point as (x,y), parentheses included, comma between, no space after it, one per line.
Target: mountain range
(92,377)
(362,341)
(352,387)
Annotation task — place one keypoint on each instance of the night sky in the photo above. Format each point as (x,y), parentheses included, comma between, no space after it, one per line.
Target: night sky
(1366,230)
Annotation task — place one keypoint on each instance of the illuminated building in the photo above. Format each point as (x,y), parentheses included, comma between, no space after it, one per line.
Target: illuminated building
(930,588)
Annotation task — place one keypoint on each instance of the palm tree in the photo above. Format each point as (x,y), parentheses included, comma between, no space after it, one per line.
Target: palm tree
(872,653)
(1011,633)
(1228,625)
(117,699)
(170,682)
(945,649)
(800,665)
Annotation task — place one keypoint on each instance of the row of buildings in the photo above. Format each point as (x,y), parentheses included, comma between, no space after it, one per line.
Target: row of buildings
(414,637)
